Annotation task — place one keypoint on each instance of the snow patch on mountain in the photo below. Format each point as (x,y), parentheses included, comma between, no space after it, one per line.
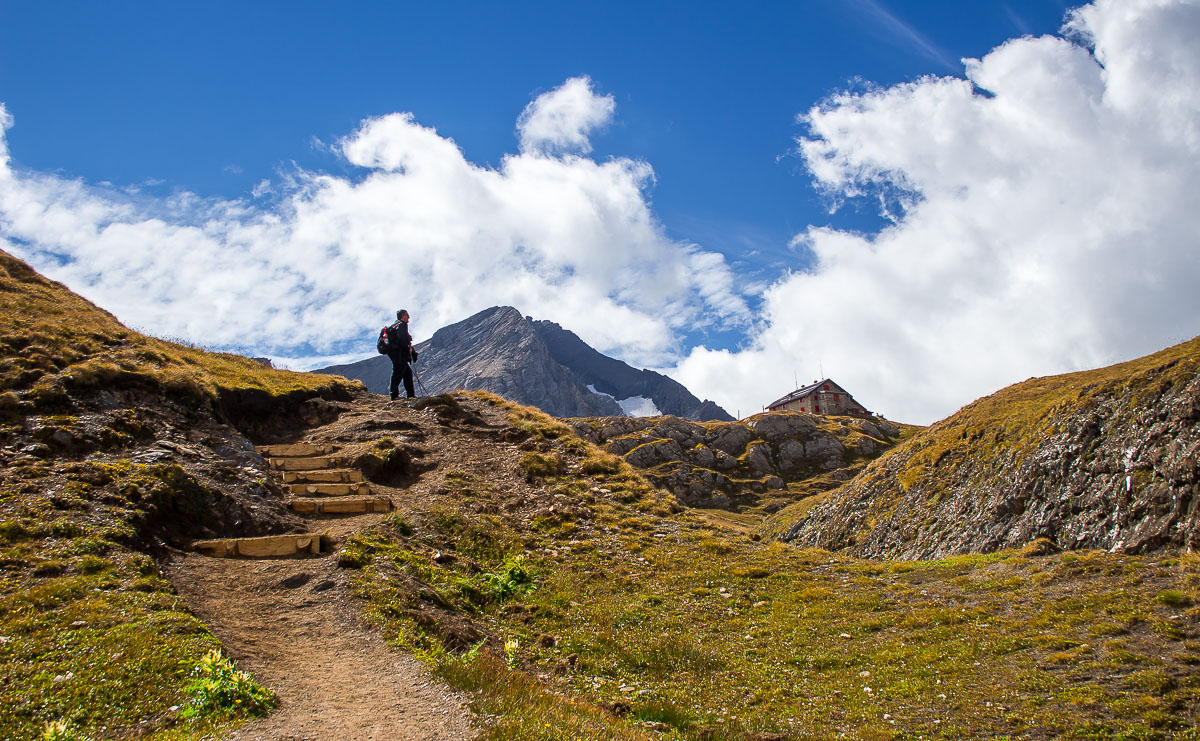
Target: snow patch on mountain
(634,406)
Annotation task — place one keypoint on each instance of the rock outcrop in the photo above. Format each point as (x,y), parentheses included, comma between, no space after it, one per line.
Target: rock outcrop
(622,381)
(768,460)
(531,362)
(1106,459)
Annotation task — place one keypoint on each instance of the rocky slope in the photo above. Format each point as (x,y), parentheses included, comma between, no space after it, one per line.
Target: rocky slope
(622,381)
(1106,459)
(531,362)
(768,460)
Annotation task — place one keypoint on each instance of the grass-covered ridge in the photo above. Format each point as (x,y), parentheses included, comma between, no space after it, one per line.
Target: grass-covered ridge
(606,612)
(1012,421)
(1096,458)
(54,343)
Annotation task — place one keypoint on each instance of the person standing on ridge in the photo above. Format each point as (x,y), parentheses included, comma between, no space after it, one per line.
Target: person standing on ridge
(401,355)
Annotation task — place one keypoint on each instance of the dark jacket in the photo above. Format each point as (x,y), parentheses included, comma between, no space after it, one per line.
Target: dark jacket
(399,338)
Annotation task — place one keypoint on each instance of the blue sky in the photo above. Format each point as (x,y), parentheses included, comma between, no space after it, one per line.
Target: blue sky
(214,97)
(207,126)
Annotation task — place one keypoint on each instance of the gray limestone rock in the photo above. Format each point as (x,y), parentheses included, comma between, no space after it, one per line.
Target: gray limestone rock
(530,362)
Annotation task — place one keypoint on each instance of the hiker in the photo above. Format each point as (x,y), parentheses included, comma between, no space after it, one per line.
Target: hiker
(401,355)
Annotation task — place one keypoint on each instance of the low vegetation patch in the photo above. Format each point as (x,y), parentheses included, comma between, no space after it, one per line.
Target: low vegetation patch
(100,431)
(642,621)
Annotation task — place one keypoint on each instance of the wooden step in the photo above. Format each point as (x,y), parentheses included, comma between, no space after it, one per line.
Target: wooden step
(330,490)
(269,546)
(336,476)
(343,505)
(303,464)
(294,450)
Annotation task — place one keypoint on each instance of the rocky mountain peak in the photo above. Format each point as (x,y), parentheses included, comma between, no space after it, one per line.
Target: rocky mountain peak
(535,362)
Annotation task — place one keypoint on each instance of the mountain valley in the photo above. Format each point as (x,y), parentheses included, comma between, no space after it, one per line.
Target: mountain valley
(602,577)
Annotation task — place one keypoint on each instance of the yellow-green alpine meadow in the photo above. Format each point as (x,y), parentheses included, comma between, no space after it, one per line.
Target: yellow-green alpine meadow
(1012,572)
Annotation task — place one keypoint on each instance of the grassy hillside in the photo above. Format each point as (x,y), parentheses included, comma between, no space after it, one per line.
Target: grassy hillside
(580,602)
(54,342)
(107,441)
(1104,458)
(573,597)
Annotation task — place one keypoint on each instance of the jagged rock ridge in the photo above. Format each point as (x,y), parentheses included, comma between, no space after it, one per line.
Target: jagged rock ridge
(766,461)
(531,362)
(1106,459)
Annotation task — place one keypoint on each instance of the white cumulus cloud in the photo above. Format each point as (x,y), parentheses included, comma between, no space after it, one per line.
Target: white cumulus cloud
(310,272)
(563,119)
(1045,221)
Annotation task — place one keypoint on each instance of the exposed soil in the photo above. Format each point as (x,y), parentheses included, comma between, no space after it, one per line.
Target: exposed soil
(295,624)
(335,676)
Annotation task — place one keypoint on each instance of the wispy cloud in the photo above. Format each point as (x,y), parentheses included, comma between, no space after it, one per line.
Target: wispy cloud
(902,33)
(1018,21)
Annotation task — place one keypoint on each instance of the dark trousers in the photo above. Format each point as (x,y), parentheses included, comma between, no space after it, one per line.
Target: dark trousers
(401,371)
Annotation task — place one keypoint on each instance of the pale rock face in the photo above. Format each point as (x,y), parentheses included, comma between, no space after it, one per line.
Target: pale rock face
(781,425)
(791,453)
(704,457)
(759,460)
(654,453)
(716,465)
(733,440)
(867,446)
(725,461)
(824,448)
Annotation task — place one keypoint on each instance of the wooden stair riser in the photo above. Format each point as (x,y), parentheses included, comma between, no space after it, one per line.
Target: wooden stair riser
(269,546)
(304,464)
(294,450)
(330,490)
(341,506)
(337,476)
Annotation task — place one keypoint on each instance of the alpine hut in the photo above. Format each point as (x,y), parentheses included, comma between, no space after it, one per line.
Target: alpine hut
(820,397)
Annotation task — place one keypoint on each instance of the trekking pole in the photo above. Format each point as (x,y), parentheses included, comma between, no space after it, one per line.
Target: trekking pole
(414,372)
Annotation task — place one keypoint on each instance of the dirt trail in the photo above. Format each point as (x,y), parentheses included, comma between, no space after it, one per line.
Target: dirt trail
(295,625)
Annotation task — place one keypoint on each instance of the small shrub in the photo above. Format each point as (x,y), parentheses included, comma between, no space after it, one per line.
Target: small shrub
(220,688)
(183,386)
(354,559)
(601,463)
(62,730)
(441,400)
(537,465)
(14,531)
(49,568)
(91,374)
(754,572)
(90,564)
(511,646)
(511,579)
(384,465)
(65,529)
(1173,598)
